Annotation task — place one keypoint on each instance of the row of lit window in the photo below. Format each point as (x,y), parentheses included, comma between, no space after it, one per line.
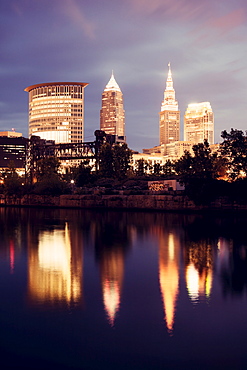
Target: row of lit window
(63,89)
(55,121)
(54,109)
(55,106)
(55,100)
(67,114)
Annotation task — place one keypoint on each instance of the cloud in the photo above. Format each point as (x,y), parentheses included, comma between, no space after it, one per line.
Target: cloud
(71,9)
(229,21)
(178,9)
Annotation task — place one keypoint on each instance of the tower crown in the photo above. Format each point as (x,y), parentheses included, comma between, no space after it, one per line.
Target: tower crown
(169,102)
(112,84)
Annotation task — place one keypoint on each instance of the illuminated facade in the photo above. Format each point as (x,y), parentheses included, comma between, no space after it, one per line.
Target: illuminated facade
(199,123)
(169,115)
(56,111)
(175,150)
(112,115)
(13,150)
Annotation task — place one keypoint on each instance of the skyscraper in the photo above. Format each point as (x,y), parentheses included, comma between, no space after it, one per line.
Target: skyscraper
(112,115)
(56,111)
(199,123)
(169,115)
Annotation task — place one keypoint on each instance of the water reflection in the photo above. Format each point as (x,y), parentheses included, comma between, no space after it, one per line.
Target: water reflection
(55,264)
(169,248)
(112,239)
(193,249)
(121,290)
(199,270)
(232,266)
(11,256)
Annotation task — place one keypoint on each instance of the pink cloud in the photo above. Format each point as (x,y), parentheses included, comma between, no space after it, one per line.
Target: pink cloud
(182,9)
(229,21)
(75,12)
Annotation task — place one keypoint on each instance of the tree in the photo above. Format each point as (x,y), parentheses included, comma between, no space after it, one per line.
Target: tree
(49,181)
(202,165)
(114,161)
(184,167)
(157,169)
(47,167)
(12,181)
(142,167)
(199,172)
(122,156)
(234,150)
(168,168)
(106,161)
(83,174)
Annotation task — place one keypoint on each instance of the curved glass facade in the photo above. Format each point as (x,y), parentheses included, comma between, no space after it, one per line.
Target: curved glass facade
(56,111)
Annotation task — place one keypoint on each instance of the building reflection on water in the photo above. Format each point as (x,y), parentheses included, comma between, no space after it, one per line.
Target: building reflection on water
(199,269)
(12,256)
(112,239)
(55,268)
(111,273)
(187,256)
(169,248)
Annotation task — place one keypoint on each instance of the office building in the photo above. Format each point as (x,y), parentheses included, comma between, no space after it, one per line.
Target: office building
(199,123)
(56,111)
(112,114)
(13,153)
(174,151)
(169,115)
(11,133)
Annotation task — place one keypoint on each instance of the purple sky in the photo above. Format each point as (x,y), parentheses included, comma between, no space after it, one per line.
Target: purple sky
(83,40)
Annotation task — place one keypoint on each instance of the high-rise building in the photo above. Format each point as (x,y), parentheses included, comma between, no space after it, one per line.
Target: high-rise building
(199,123)
(56,111)
(112,115)
(169,115)
(13,151)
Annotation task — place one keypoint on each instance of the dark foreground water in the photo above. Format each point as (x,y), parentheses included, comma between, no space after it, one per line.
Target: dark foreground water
(118,290)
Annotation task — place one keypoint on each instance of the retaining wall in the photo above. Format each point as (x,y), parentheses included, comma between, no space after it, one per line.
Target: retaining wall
(150,202)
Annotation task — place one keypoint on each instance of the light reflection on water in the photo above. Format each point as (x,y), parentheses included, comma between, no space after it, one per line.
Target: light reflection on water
(131,273)
(51,276)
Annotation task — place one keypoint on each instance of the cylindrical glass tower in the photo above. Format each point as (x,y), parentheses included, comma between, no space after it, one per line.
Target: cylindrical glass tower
(56,111)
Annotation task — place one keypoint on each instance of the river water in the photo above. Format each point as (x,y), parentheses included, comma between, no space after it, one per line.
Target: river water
(122,290)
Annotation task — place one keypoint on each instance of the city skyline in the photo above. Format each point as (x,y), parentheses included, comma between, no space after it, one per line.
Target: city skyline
(73,41)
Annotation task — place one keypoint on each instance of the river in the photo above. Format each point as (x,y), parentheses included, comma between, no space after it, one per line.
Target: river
(86,289)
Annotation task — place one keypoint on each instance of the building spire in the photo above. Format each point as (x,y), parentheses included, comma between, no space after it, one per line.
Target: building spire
(169,82)
(169,102)
(112,84)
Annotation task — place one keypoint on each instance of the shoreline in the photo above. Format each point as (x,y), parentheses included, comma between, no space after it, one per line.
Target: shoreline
(149,202)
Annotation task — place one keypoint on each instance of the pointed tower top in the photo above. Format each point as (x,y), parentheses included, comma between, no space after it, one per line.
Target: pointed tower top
(169,102)
(112,84)
(169,82)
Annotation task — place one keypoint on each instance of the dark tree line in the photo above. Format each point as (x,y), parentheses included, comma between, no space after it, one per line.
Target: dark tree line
(205,174)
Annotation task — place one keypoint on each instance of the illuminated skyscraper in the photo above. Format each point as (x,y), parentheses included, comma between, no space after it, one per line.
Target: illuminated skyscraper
(169,115)
(199,123)
(112,115)
(56,111)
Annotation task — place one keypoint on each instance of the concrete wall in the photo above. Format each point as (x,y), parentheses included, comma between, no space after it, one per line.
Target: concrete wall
(148,202)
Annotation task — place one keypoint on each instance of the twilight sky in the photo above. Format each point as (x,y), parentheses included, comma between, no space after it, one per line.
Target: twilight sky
(83,40)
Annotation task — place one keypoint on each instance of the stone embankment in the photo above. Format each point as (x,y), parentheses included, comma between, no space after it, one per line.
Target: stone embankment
(126,202)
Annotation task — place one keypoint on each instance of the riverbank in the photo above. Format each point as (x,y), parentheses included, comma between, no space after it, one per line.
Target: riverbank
(169,202)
